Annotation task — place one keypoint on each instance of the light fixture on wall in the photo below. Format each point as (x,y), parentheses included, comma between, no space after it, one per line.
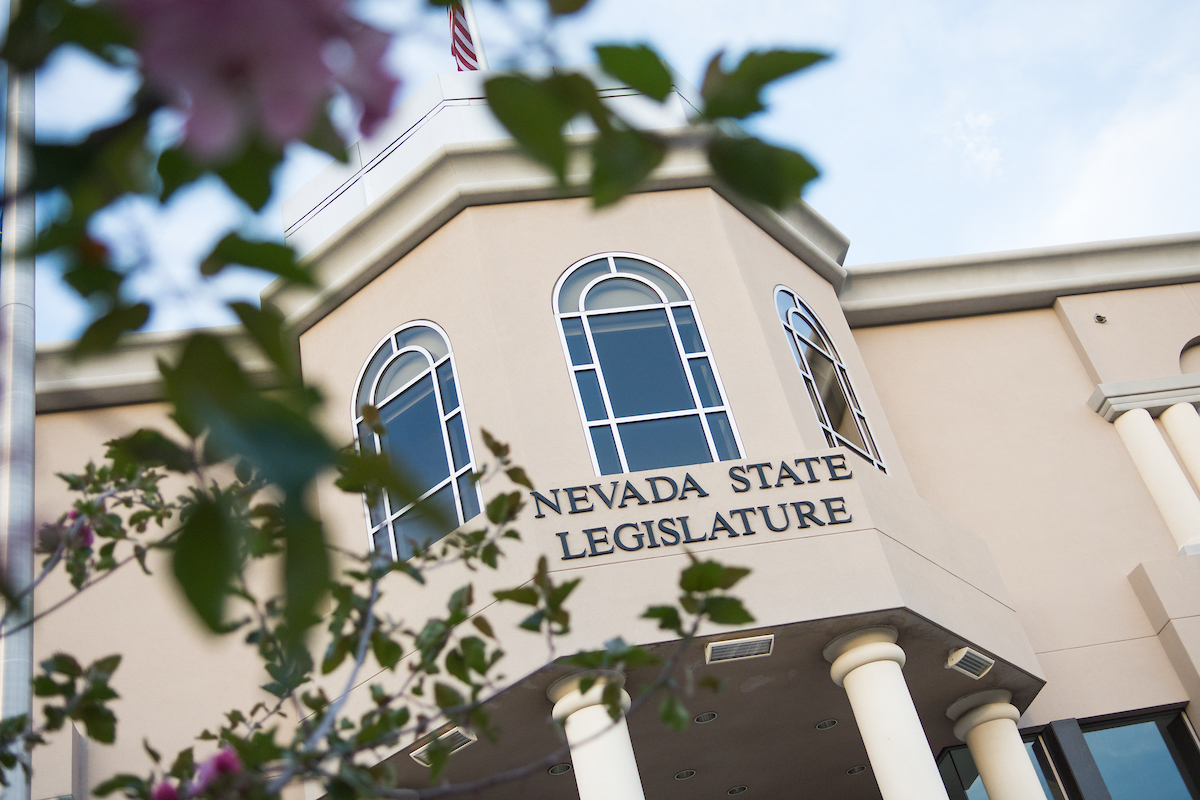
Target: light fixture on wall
(453,740)
(970,662)
(736,649)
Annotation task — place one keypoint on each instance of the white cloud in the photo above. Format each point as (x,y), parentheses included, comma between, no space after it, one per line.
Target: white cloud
(970,139)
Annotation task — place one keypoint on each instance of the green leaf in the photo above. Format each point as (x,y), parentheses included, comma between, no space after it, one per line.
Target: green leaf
(149,448)
(638,66)
(306,573)
(249,175)
(621,159)
(504,507)
(132,785)
(177,169)
(771,175)
(667,616)
(273,257)
(701,576)
(387,650)
(150,751)
(524,595)
(737,94)
(265,326)
(98,723)
(535,117)
(205,560)
(563,7)
(517,475)
(447,697)
(103,333)
(727,611)
(184,764)
(672,711)
(484,627)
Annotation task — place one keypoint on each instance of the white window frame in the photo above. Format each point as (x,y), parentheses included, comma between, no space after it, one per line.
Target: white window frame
(390,515)
(832,437)
(611,420)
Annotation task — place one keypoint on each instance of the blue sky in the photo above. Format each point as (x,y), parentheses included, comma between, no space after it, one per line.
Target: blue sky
(941,127)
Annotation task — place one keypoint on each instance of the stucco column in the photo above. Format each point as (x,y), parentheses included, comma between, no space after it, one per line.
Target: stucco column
(1169,487)
(867,664)
(987,722)
(601,752)
(1183,426)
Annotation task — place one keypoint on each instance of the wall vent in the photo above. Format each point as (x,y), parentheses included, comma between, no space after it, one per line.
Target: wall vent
(734,649)
(454,739)
(969,662)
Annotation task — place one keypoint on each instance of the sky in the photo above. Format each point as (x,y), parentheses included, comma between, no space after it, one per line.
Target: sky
(941,128)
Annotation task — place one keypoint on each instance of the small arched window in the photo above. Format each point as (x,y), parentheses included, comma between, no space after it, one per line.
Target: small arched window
(825,376)
(410,379)
(645,382)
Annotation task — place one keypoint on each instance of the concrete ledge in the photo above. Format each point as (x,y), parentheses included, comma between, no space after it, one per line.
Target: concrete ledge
(1156,395)
(989,283)
(127,375)
(457,176)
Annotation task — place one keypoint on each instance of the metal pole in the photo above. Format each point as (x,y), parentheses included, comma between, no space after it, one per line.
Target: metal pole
(17,399)
(473,29)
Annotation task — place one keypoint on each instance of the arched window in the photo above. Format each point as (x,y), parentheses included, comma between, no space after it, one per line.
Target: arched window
(410,379)
(829,388)
(646,385)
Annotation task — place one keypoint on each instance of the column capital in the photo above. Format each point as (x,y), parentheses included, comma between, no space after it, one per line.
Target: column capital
(972,710)
(568,699)
(852,650)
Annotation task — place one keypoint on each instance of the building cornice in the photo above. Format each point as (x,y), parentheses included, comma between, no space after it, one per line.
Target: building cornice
(989,283)
(1156,395)
(459,176)
(126,375)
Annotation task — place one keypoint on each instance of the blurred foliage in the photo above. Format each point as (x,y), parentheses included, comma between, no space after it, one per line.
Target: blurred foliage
(251,452)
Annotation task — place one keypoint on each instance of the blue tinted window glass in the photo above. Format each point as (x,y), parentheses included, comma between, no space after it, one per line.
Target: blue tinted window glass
(577,344)
(689,334)
(469,495)
(458,442)
(620,293)
(722,434)
(426,523)
(589,392)
(399,373)
(449,391)
(1037,767)
(641,364)
(368,378)
(606,450)
(706,382)
(662,280)
(568,297)
(1135,763)
(657,443)
(414,436)
(380,539)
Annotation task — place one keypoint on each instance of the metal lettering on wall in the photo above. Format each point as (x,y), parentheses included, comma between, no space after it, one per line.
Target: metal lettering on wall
(670,531)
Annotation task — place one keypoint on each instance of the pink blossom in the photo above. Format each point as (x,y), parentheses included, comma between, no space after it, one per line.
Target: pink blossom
(84,536)
(73,514)
(224,762)
(239,66)
(164,791)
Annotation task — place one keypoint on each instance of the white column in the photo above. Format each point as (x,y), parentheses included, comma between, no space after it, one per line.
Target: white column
(1183,426)
(867,664)
(601,752)
(1168,485)
(987,722)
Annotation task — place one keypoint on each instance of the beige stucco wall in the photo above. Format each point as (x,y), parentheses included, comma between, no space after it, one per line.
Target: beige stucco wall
(175,679)
(991,414)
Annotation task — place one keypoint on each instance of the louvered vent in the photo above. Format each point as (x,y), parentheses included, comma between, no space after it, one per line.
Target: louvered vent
(733,649)
(970,662)
(454,740)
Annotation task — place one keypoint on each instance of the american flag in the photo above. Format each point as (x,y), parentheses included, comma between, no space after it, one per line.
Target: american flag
(461,46)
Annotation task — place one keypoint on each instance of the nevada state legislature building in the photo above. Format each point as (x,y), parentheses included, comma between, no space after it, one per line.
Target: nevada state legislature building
(966,487)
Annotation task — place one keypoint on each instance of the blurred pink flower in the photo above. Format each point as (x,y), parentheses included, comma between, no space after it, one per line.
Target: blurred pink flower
(84,537)
(164,791)
(224,762)
(238,66)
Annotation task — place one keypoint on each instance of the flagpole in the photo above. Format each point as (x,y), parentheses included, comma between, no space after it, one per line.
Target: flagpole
(473,29)
(17,401)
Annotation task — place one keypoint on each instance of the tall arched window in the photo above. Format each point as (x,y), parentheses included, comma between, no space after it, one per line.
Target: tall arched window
(410,379)
(645,383)
(829,388)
